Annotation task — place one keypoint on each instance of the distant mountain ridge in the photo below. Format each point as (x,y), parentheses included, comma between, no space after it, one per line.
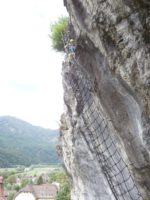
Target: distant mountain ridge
(24,144)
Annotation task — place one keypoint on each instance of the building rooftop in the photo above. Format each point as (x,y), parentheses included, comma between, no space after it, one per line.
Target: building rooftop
(41,191)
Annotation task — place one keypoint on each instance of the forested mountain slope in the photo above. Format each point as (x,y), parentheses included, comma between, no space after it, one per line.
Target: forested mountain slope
(24,144)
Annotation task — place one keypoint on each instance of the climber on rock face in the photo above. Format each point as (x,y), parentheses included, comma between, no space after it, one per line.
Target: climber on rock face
(72,46)
(70,49)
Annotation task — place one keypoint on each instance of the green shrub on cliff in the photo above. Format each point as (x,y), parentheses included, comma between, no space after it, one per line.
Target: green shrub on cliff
(57,32)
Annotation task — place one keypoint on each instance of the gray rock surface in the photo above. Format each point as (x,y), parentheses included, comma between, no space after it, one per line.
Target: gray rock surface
(105,127)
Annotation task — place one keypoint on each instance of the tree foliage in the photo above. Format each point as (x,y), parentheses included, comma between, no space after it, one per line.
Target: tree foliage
(24,183)
(57,31)
(11,196)
(40,180)
(61,177)
(11,179)
(17,187)
(64,193)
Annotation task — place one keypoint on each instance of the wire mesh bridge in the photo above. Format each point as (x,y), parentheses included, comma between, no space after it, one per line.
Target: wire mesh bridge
(97,133)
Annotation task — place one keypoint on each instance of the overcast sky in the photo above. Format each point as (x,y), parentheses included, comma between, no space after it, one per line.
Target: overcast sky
(30,71)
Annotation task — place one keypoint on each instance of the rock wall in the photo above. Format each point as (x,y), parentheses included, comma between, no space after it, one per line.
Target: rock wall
(105,127)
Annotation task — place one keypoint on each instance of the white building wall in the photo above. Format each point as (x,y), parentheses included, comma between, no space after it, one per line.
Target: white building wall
(25,196)
(47,199)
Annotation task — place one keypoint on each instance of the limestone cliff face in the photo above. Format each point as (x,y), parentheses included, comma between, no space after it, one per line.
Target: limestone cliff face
(105,127)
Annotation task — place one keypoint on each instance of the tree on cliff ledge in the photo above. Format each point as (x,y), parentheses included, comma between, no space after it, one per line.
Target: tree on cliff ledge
(57,32)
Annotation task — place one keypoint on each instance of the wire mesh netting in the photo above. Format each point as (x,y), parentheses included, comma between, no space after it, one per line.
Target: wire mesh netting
(97,133)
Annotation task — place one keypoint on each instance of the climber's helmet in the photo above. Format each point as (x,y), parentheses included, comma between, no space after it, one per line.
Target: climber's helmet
(71,40)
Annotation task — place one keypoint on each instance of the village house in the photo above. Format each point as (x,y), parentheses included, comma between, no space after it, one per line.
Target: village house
(2,195)
(37,192)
